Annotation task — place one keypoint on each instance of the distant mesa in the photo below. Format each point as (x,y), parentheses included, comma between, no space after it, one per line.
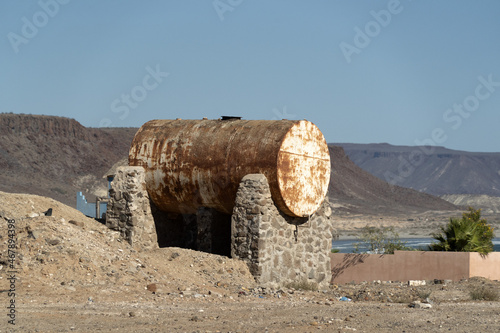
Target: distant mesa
(443,171)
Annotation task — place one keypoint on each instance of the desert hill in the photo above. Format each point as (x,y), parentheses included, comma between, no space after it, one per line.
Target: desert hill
(488,204)
(56,157)
(355,190)
(70,256)
(434,170)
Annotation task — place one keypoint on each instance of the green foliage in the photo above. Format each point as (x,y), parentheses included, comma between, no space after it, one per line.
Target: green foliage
(470,233)
(380,240)
(335,251)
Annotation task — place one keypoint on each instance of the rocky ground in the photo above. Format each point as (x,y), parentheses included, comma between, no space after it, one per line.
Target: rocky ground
(74,274)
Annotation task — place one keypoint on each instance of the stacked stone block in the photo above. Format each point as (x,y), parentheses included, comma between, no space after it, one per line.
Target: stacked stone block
(129,210)
(279,249)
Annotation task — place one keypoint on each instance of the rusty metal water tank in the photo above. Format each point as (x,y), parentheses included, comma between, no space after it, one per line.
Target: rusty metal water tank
(193,163)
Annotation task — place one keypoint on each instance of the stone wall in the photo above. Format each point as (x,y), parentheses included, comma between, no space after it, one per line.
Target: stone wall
(129,210)
(279,249)
(413,265)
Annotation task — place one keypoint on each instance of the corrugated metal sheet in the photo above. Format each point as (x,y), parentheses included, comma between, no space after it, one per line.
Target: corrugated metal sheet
(89,209)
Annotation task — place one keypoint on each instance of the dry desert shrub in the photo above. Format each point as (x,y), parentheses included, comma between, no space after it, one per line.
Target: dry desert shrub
(484,293)
(423,293)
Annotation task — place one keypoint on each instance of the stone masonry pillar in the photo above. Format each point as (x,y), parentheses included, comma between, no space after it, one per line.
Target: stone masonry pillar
(129,210)
(279,249)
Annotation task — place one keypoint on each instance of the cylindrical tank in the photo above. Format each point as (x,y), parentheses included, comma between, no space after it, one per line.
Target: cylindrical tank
(193,163)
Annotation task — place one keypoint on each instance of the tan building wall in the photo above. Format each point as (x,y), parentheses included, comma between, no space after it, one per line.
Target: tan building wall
(488,267)
(413,265)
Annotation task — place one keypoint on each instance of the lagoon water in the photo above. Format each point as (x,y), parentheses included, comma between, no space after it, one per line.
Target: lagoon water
(346,246)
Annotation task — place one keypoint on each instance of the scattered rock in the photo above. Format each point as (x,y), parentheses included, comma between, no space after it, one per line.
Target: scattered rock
(35,234)
(416,283)
(53,242)
(151,287)
(77,223)
(188,293)
(420,305)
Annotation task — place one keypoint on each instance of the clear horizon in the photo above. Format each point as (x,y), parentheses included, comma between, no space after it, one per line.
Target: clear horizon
(398,72)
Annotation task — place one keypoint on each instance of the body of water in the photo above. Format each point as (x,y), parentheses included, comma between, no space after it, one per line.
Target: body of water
(346,246)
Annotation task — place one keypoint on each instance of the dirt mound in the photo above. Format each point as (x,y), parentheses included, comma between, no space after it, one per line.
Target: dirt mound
(70,255)
(56,156)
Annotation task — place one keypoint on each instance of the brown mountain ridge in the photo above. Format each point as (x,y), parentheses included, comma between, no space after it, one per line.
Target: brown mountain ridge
(434,170)
(56,157)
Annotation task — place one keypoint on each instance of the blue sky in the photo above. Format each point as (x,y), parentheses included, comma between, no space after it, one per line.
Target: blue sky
(402,72)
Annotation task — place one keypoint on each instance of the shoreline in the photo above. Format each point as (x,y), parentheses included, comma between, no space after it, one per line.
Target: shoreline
(353,235)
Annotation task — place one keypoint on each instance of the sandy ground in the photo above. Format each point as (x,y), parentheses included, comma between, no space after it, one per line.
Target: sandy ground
(234,312)
(75,275)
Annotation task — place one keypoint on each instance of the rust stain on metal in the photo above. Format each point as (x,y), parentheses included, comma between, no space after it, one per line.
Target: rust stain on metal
(192,163)
(303,168)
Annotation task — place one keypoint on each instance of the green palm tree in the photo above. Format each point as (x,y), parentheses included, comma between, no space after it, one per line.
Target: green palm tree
(468,234)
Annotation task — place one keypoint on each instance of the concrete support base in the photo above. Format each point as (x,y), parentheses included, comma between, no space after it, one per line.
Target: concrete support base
(278,249)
